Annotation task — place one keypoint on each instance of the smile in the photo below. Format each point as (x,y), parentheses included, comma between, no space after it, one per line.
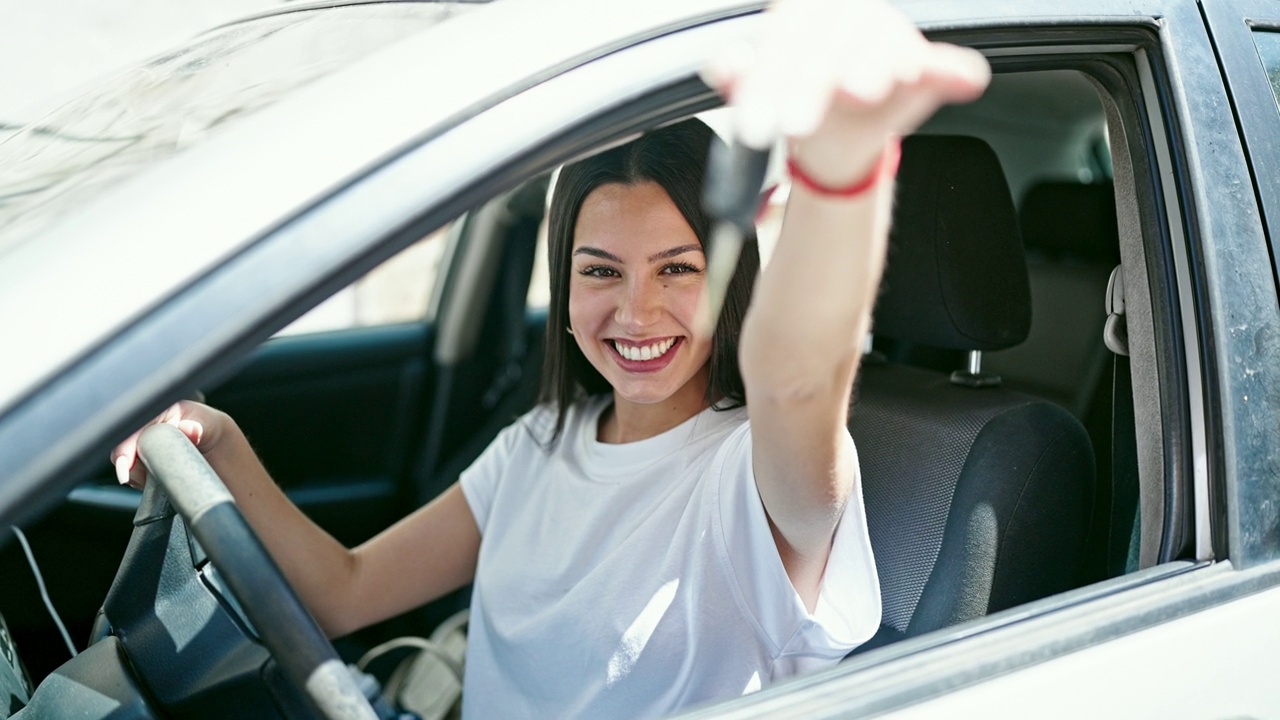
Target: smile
(643,353)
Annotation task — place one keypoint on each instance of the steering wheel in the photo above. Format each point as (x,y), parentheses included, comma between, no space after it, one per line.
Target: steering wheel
(306,658)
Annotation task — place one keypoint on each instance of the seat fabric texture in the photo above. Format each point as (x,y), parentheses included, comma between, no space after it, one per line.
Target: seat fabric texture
(978,499)
(1073,244)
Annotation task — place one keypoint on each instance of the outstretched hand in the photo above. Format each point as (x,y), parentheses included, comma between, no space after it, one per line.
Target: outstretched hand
(200,423)
(838,78)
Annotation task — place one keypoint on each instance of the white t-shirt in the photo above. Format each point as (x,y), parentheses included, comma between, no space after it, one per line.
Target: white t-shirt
(635,580)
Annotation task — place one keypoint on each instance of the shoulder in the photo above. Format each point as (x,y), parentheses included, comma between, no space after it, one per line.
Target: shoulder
(732,427)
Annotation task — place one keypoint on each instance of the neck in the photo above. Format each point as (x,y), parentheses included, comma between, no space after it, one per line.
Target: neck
(628,421)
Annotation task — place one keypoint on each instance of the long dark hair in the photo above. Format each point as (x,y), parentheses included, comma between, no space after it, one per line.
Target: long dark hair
(674,157)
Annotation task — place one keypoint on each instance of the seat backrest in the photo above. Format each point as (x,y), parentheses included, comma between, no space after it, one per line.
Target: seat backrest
(1070,233)
(977,497)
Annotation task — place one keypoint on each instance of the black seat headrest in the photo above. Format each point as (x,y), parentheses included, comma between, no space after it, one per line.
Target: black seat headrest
(956,275)
(1072,221)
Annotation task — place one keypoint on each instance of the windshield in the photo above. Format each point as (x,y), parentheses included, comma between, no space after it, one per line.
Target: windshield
(145,115)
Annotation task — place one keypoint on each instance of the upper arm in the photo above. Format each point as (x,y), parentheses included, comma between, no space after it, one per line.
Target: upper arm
(424,556)
(804,467)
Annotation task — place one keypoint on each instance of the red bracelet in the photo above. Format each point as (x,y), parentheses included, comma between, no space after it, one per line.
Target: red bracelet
(886,165)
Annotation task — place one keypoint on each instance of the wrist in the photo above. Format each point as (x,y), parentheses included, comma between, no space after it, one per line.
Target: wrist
(883,166)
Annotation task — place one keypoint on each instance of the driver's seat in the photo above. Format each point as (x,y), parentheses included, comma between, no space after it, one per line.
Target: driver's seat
(977,497)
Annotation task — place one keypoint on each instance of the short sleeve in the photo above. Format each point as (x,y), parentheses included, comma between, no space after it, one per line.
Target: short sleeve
(480,480)
(848,609)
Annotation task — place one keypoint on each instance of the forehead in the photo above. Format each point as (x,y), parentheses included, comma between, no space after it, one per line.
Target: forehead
(639,217)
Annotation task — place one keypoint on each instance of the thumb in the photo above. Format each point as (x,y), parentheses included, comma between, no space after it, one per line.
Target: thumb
(958,74)
(193,429)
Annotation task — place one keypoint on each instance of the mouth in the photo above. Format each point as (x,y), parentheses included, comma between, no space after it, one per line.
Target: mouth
(641,357)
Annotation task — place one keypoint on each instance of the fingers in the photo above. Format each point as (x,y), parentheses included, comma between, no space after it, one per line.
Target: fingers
(192,429)
(958,74)
(784,86)
(859,59)
(124,457)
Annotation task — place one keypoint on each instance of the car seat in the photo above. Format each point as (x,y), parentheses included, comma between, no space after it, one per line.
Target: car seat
(1072,239)
(1069,231)
(978,498)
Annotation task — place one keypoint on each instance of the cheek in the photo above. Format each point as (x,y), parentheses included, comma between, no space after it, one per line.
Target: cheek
(683,300)
(679,300)
(587,306)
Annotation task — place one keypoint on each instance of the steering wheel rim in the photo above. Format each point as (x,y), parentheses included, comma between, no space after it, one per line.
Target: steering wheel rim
(306,657)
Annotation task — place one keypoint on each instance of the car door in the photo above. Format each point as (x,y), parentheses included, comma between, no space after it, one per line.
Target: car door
(336,404)
(1204,557)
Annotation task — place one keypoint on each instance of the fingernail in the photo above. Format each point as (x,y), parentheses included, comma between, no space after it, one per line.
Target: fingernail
(122,470)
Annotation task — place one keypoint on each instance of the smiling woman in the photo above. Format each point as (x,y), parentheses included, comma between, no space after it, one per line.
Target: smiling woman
(626,240)
(623,511)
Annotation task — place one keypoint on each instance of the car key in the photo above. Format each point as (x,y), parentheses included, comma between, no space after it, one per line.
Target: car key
(731,194)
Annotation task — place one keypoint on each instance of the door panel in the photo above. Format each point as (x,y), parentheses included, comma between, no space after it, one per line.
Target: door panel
(333,415)
(1229,650)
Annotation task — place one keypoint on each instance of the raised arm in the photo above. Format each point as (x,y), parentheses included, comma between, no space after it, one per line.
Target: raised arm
(842,80)
(424,556)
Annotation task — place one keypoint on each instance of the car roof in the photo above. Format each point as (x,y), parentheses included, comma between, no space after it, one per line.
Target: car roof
(79,278)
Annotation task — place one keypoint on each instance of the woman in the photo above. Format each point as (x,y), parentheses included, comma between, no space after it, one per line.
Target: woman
(634,550)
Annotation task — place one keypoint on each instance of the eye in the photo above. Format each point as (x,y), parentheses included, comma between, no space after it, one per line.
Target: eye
(680,268)
(598,271)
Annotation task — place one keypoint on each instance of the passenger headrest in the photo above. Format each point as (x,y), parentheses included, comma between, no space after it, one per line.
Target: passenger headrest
(956,275)
(1072,221)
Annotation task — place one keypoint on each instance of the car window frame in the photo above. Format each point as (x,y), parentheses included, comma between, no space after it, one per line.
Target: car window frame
(1234,24)
(1251,489)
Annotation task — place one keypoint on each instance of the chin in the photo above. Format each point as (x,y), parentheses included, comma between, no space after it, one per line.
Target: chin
(643,396)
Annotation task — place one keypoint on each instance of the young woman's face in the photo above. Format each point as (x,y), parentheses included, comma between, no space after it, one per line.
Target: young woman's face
(636,272)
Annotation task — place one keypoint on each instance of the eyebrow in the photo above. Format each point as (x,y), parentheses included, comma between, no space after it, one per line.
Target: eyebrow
(664,255)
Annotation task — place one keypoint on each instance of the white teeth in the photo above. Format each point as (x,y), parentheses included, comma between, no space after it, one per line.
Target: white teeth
(647,352)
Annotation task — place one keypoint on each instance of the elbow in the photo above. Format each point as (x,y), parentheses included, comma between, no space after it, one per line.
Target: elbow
(335,601)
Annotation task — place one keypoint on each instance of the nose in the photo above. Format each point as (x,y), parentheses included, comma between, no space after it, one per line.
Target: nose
(640,305)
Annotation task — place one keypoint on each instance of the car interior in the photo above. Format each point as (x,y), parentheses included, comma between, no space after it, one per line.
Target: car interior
(993,419)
